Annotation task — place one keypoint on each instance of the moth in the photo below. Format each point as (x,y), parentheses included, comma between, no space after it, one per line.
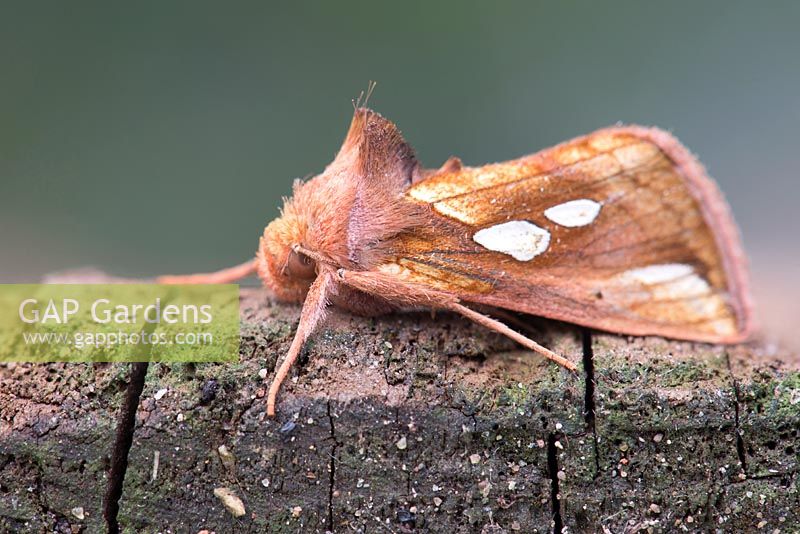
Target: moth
(620,230)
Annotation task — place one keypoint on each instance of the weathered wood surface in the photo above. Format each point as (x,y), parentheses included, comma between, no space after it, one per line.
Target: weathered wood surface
(410,422)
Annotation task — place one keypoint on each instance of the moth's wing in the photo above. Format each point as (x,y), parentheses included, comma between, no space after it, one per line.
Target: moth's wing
(619,230)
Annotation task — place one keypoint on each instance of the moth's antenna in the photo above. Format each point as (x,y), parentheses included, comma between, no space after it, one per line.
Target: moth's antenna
(357,108)
(363,99)
(357,101)
(370,88)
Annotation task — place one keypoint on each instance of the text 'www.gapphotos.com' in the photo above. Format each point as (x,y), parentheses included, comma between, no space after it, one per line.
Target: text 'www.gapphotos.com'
(81,340)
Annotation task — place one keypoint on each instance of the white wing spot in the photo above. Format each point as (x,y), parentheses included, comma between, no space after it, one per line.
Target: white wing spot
(574,213)
(521,240)
(686,293)
(670,281)
(658,274)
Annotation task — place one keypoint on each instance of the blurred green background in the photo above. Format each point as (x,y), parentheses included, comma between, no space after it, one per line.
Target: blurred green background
(159,136)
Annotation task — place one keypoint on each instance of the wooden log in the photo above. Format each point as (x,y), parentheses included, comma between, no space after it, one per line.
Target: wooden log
(411,422)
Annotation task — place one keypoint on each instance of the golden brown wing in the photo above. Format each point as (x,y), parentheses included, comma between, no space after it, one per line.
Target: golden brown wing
(619,230)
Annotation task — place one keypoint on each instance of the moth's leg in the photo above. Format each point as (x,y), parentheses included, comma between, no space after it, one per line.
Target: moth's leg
(312,314)
(224,276)
(504,316)
(376,283)
(497,326)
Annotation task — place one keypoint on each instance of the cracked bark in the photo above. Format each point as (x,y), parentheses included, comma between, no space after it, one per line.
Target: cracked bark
(332,465)
(589,408)
(122,445)
(553,470)
(648,434)
(741,450)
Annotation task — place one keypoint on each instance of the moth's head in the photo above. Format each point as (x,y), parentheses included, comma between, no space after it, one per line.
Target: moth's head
(286,272)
